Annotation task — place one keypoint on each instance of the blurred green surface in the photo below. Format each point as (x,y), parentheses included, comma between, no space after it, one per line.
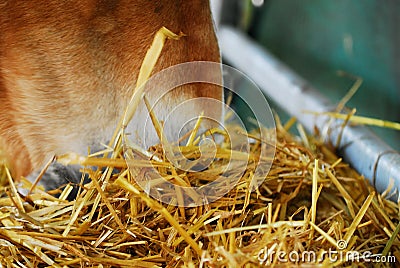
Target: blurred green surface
(319,37)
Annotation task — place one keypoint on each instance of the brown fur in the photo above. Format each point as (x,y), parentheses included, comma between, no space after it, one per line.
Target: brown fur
(66,68)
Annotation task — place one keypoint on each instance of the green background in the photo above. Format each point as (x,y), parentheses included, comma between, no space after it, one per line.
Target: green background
(317,38)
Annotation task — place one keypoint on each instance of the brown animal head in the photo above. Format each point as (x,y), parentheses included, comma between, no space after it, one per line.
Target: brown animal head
(67,69)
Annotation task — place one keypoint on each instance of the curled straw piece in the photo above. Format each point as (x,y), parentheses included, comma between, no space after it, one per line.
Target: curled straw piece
(147,67)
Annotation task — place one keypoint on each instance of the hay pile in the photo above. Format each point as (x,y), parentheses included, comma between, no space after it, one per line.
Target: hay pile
(312,209)
(310,202)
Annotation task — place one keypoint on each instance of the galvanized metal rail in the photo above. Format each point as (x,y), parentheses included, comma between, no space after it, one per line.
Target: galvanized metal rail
(359,146)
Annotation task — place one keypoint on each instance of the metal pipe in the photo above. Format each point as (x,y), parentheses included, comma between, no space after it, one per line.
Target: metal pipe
(360,147)
(216,7)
